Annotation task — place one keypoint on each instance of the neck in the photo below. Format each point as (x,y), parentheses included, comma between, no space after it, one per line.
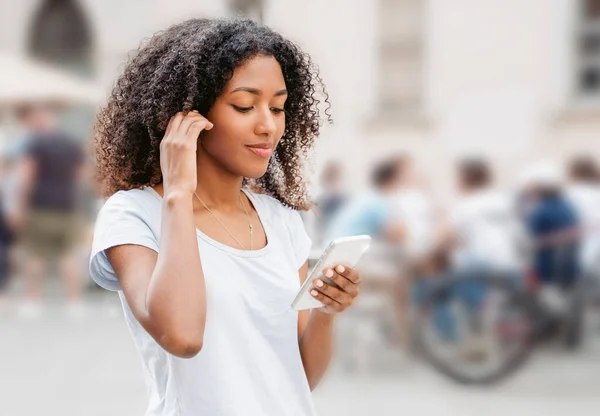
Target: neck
(217,187)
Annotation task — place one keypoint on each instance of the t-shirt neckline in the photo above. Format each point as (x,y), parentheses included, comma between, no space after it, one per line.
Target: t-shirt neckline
(232,250)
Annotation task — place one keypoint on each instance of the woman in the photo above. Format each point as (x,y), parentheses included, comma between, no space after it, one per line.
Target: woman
(206,269)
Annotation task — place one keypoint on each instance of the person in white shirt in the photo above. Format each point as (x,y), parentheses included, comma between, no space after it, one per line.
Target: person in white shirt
(415,210)
(583,191)
(484,221)
(201,148)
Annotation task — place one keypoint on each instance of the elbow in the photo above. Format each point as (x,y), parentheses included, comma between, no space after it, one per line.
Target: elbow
(182,346)
(180,337)
(188,349)
(312,384)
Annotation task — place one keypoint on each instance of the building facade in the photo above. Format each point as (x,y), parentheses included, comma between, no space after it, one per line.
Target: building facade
(513,80)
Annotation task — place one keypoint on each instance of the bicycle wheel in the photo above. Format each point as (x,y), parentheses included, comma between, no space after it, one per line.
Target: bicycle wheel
(475,329)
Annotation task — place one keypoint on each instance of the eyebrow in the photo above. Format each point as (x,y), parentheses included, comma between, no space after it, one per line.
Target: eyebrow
(257,92)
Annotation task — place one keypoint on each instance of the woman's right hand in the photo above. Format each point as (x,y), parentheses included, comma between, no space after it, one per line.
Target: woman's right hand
(178,152)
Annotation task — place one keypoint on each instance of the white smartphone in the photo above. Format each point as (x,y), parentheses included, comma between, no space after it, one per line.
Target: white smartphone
(346,251)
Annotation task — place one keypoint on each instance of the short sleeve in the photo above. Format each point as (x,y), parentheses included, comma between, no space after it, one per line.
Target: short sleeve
(301,242)
(120,221)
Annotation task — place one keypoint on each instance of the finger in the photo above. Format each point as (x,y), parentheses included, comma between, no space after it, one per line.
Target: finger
(197,126)
(174,123)
(338,279)
(348,272)
(325,300)
(347,286)
(191,118)
(332,292)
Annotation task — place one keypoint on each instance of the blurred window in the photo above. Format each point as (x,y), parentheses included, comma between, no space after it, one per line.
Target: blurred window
(588,50)
(401,54)
(59,33)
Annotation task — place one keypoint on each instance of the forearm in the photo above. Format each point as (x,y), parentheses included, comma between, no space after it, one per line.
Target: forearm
(316,345)
(176,297)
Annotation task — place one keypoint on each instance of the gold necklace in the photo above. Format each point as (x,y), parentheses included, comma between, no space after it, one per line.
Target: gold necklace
(223,225)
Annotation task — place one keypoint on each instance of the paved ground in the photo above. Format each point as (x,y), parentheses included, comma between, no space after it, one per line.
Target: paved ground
(56,366)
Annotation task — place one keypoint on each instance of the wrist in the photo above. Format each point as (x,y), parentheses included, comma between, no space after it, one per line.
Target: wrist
(324,317)
(176,196)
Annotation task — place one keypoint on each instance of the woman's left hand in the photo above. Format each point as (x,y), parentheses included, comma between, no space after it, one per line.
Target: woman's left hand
(336,299)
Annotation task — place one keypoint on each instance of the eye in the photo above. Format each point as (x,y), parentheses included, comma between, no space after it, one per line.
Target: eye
(277,110)
(241,109)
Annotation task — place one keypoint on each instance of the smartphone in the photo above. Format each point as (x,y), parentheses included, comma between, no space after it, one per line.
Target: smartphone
(346,251)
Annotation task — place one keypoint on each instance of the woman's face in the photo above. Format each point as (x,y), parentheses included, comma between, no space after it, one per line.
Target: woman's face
(248,118)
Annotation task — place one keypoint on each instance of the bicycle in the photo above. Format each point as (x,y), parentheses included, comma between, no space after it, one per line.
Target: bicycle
(482,337)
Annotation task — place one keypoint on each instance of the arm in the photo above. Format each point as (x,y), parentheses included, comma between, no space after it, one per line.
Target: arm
(315,327)
(166,291)
(315,338)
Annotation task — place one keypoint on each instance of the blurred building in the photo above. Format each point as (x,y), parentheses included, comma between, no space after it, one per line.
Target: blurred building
(517,80)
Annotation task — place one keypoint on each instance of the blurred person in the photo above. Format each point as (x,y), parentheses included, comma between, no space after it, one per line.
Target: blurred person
(45,212)
(554,228)
(414,208)
(482,235)
(200,235)
(483,222)
(332,196)
(8,167)
(12,154)
(6,233)
(583,191)
(372,213)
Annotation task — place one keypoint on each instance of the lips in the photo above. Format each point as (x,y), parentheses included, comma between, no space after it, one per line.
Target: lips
(262,150)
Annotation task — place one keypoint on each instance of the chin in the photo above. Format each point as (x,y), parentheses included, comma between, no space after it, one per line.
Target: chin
(252,171)
(255,174)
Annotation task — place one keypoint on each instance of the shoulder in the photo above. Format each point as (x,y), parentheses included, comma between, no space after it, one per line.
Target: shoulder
(128,197)
(287,225)
(273,207)
(283,219)
(128,216)
(141,202)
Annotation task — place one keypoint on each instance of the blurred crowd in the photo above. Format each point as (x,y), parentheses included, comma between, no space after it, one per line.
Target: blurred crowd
(545,225)
(48,208)
(544,228)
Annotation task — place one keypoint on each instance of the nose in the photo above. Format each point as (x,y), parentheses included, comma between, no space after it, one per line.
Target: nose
(265,123)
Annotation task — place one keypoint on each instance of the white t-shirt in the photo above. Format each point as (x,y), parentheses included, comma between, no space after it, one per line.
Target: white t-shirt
(250,361)
(416,212)
(586,199)
(488,230)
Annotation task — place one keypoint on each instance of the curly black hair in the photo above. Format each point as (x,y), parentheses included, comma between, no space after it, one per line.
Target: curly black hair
(187,67)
